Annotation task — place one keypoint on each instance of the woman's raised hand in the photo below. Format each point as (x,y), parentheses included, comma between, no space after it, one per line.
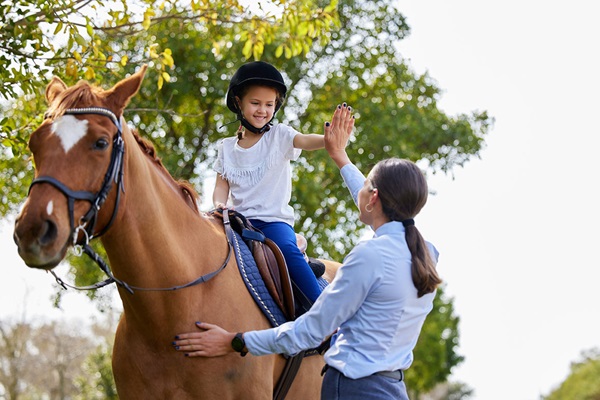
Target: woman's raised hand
(337,134)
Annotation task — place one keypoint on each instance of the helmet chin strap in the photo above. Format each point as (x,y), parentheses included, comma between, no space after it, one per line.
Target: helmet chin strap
(251,127)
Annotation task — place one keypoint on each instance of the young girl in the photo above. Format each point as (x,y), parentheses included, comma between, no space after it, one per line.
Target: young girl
(254,167)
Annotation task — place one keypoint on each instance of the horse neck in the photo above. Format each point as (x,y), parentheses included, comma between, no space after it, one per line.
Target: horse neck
(157,239)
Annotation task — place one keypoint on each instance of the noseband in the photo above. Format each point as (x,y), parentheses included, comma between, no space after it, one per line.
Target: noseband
(87,222)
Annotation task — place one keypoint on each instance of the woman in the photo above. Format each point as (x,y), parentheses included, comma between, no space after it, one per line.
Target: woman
(378,301)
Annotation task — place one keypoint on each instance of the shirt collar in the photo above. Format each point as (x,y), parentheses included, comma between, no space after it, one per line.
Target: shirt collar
(389,228)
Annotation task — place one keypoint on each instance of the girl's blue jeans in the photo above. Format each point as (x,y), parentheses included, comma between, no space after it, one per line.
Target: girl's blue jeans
(285,238)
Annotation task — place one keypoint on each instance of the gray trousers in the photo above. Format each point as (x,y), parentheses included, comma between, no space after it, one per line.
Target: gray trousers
(375,387)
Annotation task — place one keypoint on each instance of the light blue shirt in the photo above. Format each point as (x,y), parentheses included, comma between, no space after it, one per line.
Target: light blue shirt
(372,303)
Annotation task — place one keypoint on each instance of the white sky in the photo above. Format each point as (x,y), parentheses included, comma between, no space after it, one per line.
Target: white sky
(515,229)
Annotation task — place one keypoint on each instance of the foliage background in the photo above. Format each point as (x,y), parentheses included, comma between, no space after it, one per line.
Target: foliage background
(583,381)
(328,52)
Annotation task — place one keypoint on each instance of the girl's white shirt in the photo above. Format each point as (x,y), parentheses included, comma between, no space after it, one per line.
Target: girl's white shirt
(260,177)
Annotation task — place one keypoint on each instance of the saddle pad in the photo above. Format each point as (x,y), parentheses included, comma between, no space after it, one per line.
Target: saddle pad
(254,283)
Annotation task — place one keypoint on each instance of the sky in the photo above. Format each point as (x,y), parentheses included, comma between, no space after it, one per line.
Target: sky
(516,227)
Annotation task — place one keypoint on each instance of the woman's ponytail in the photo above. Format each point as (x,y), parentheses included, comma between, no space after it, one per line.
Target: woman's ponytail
(424,275)
(403,192)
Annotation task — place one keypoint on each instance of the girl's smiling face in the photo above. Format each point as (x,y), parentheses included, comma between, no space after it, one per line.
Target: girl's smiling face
(258,105)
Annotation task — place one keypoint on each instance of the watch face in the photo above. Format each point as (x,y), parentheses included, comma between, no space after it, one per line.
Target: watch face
(238,343)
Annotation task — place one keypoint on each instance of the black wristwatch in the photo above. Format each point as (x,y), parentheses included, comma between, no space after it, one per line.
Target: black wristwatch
(239,344)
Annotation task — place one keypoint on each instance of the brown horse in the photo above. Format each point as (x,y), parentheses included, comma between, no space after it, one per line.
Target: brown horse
(96,177)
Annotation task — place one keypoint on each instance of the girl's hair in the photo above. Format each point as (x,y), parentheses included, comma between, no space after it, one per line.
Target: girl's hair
(403,191)
(243,90)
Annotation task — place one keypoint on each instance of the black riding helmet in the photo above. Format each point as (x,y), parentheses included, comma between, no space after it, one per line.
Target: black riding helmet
(257,72)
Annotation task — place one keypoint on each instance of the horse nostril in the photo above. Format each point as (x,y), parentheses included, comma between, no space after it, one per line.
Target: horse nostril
(48,234)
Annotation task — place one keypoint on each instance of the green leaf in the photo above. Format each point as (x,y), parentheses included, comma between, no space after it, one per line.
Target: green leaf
(59,27)
(79,39)
(279,51)
(247,50)
(331,7)
(303,28)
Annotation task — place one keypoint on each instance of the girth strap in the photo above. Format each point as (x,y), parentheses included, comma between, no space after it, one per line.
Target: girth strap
(292,365)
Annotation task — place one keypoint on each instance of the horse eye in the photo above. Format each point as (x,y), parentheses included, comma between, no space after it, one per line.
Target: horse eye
(101,144)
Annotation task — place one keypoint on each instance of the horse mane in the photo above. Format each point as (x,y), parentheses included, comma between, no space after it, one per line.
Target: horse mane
(189,193)
(82,95)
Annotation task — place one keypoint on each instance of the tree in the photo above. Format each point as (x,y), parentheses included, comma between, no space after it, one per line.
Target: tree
(54,359)
(96,382)
(435,354)
(14,358)
(356,61)
(38,361)
(397,110)
(75,38)
(61,349)
(448,391)
(102,40)
(582,382)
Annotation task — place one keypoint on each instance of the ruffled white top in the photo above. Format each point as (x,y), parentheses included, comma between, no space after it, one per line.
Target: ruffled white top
(260,177)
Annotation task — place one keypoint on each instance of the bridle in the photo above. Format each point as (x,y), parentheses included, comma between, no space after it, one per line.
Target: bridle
(114,174)
(87,223)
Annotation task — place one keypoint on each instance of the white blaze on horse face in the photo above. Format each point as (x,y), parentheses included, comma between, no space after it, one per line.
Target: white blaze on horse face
(50,208)
(70,130)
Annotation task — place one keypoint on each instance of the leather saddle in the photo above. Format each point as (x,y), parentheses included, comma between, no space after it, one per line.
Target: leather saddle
(271,263)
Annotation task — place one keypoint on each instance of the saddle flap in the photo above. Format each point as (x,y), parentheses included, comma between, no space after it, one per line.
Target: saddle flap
(279,269)
(269,260)
(264,259)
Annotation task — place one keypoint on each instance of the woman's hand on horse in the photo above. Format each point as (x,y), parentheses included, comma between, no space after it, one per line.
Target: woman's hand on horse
(337,134)
(210,341)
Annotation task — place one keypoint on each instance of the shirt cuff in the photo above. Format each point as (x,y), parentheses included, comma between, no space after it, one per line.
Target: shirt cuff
(260,343)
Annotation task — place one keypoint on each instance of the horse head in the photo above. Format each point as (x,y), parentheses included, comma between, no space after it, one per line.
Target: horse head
(77,155)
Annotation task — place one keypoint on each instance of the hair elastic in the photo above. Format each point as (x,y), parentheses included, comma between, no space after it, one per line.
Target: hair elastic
(408,222)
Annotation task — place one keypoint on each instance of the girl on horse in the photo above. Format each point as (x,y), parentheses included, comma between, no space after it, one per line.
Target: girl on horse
(253,168)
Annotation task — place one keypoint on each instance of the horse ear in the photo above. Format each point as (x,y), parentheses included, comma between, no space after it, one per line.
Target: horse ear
(54,88)
(122,92)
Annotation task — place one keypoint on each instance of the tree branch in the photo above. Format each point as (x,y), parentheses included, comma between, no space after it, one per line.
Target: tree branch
(44,14)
